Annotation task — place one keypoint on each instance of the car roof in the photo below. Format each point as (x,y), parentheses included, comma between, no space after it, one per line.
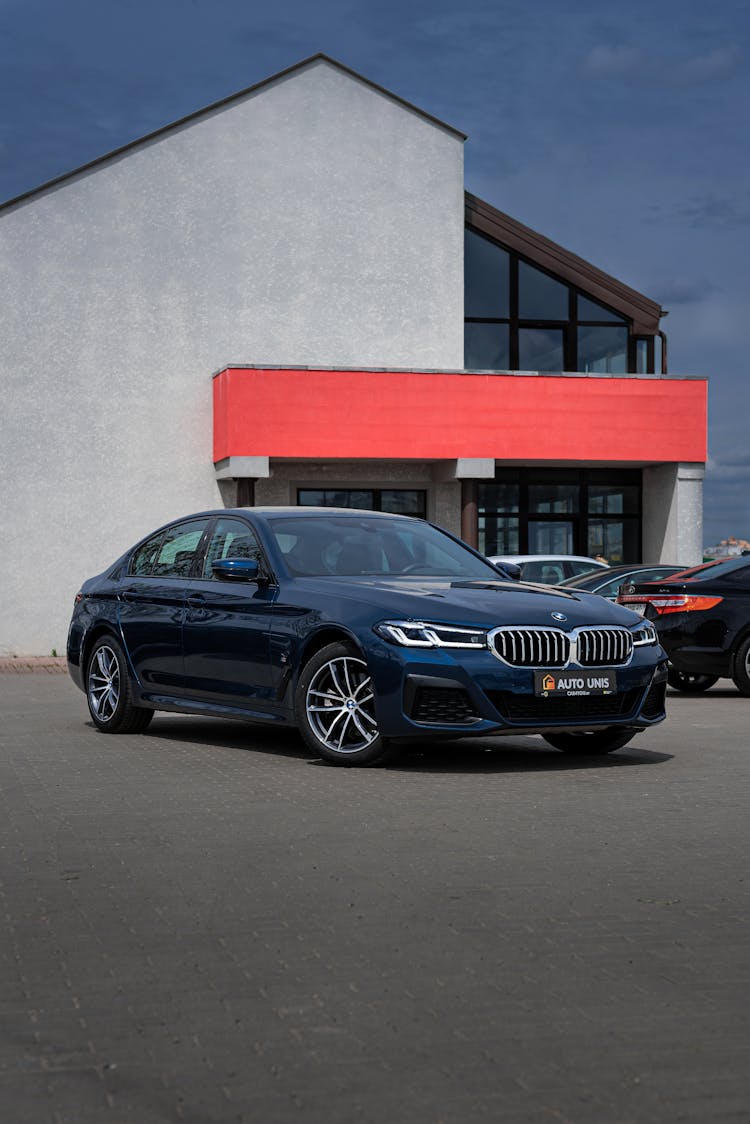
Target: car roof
(716,568)
(290,509)
(267,512)
(548,558)
(579,580)
(295,510)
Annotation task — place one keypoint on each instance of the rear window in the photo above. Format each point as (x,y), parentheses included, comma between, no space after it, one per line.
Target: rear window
(719,568)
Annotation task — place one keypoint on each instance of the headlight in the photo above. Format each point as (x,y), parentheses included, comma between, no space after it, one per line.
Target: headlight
(644,634)
(421,634)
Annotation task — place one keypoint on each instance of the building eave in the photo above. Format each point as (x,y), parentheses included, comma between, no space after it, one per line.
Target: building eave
(644,313)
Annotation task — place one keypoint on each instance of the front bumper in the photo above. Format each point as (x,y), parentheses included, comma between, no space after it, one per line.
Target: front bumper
(464,692)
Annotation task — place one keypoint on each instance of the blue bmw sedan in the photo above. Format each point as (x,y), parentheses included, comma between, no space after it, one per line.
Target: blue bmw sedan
(364,630)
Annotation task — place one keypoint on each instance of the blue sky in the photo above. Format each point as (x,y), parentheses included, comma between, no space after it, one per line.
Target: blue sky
(619,130)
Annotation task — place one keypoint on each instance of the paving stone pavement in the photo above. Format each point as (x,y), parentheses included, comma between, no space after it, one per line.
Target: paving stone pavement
(204,924)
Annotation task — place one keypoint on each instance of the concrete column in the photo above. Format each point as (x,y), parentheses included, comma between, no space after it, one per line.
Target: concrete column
(673,513)
(237,468)
(469,512)
(246,491)
(469,470)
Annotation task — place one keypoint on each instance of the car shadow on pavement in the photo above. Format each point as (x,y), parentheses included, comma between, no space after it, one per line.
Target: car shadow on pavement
(462,755)
(225,734)
(518,755)
(674,696)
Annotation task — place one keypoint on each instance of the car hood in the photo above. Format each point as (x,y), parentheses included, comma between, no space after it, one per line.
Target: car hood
(489,603)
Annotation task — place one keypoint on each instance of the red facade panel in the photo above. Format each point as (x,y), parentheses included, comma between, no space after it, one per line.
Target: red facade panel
(399,415)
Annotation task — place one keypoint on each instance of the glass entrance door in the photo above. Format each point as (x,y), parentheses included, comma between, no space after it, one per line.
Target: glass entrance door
(586,511)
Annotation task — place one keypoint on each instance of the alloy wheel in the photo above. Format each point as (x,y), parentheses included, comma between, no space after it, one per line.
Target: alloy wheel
(340,705)
(104,683)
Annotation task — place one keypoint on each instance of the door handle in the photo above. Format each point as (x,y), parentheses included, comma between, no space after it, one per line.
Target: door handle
(128,594)
(196,601)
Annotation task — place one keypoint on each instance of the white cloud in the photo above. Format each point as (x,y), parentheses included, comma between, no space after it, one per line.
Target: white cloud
(713,64)
(603,60)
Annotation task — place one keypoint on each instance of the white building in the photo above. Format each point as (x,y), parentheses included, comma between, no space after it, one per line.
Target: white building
(303,242)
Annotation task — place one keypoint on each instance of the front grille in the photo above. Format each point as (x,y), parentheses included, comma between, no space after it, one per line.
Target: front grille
(530,708)
(443,706)
(531,647)
(551,647)
(601,647)
(655,701)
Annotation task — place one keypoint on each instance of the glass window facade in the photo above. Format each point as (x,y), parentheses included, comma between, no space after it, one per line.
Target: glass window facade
(486,277)
(562,511)
(602,350)
(519,317)
(540,297)
(399,501)
(488,345)
(541,349)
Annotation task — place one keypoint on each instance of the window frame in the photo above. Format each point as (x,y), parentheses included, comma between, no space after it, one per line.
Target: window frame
(377,494)
(199,563)
(569,326)
(160,536)
(583,478)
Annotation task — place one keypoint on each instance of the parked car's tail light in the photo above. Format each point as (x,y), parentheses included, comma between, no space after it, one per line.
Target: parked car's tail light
(79,597)
(422,634)
(676,603)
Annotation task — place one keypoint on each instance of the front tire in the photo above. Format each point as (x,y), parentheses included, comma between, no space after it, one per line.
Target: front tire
(335,709)
(741,674)
(690,683)
(591,741)
(109,692)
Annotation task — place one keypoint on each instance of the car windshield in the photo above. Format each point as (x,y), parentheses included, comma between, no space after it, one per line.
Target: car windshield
(362,545)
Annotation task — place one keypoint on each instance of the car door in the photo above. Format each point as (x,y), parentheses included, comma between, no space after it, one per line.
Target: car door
(151,605)
(228,625)
(737,600)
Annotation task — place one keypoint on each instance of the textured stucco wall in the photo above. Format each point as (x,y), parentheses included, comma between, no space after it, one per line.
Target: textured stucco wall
(673,513)
(316,221)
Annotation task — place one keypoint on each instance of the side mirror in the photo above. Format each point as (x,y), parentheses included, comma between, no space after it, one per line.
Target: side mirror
(236,569)
(508,570)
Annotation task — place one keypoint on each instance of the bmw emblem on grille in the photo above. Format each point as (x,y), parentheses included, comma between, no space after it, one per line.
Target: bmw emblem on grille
(559,617)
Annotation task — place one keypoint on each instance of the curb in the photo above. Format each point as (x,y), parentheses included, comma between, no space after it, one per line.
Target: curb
(33,665)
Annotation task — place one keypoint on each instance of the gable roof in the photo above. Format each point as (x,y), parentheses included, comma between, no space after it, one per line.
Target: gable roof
(631,304)
(221,104)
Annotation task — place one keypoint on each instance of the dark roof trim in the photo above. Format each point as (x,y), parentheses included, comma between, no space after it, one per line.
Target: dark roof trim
(486,219)
(319,57)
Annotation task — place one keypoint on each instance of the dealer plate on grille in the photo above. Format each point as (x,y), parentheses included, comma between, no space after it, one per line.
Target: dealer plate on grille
(574,683)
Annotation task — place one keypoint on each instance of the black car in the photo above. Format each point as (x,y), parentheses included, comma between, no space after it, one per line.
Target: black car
(607,582)
(702,616)
(362,629)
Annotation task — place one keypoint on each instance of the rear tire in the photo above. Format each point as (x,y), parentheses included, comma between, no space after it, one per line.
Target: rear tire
(109,692)
(335,709)
(689,682)
(741,674)
(591,741)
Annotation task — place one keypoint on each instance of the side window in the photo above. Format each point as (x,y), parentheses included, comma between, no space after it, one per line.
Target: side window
(610,588)
(548,573)
(177,549)
(231,539)
(580,567)
(143,560)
